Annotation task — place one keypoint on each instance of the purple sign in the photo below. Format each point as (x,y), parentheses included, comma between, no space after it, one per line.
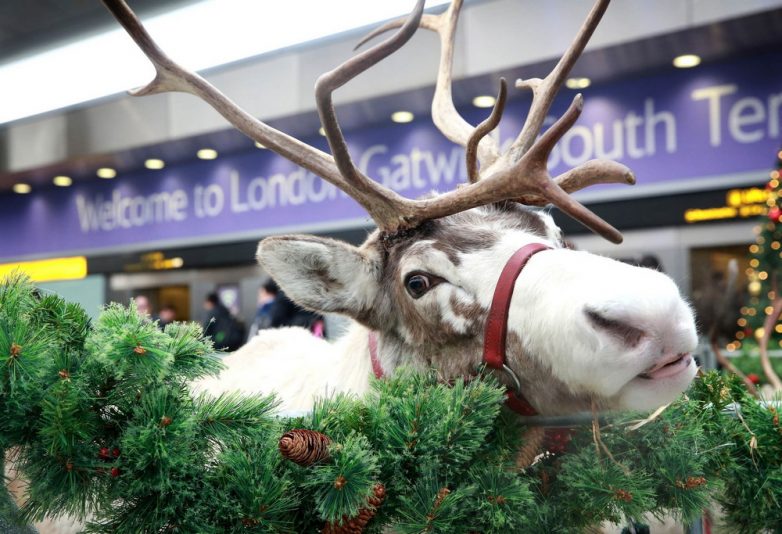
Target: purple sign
(677,130)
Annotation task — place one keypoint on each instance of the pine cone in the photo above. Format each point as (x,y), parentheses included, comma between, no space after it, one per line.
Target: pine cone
(305,447)
(357,524)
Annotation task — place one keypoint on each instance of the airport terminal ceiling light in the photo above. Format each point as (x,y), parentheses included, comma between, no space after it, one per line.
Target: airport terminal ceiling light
(199,36)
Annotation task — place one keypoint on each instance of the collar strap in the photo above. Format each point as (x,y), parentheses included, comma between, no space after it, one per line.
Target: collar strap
(497,323)
(376,367)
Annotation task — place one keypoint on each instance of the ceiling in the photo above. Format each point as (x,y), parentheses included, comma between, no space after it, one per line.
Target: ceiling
(757,33)
(28,27)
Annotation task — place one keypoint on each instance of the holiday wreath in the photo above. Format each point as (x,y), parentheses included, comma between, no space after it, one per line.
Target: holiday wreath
(101,421)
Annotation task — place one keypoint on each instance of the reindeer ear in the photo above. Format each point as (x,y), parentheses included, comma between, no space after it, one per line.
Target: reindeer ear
(323,274)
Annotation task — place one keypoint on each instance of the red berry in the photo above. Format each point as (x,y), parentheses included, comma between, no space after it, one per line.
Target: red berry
(755,379)
(104,452)
(115,472)
(115,452)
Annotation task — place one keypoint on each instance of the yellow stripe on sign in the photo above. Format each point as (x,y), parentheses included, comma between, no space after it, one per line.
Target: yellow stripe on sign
(73,268)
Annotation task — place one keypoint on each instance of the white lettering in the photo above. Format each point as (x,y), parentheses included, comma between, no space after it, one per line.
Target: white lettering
(774,108)
(587,146)
(213,200)
(737,119)
(237,206)
(442,167)
(121,211)
(617,152)
(713,95)
(632,121)
(652,119)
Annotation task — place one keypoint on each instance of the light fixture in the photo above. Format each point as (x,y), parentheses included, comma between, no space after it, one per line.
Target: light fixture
(402,116)
(207,153)
(107,63)
(483,101)
(154,164)
(259,145)
(321,131)
(62,181)
(686,61)
(22,188)
(107,173)
(578,83)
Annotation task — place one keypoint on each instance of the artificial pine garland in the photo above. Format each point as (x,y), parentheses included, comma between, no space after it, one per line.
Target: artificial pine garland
(105,427)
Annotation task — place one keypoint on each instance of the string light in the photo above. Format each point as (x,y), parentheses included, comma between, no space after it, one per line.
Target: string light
(762,275)
(752,312)
(754,262)
(778,329)
(742,322)
(769,310)
(775,245)
(753,249)
(759,333)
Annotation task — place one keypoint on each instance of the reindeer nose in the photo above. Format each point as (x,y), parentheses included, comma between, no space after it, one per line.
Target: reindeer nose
(622,331)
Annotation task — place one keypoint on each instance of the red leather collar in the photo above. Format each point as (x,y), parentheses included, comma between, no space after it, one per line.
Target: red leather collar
(376,367)
(497,323)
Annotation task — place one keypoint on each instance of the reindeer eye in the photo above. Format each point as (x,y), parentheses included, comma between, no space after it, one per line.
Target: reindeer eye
(417,284)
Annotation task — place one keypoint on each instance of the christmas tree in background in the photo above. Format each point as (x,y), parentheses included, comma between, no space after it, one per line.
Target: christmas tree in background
(760,328)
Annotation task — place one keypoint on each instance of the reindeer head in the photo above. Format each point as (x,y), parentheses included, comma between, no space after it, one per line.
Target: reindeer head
(582,328)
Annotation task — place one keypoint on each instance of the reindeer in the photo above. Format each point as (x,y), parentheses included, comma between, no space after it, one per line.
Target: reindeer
(582,330)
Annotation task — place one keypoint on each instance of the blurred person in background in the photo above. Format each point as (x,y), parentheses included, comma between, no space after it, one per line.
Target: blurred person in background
(263,318)
(284,312)
(166,316)
(226,331)
(143,307)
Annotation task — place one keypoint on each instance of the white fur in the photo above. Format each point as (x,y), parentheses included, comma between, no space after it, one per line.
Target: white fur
(296,365)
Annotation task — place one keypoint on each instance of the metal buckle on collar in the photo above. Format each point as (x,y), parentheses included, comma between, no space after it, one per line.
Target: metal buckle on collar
(516,383)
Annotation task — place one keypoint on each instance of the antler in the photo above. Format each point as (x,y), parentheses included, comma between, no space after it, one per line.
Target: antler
(535,186)
(392,212)
(444,113)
